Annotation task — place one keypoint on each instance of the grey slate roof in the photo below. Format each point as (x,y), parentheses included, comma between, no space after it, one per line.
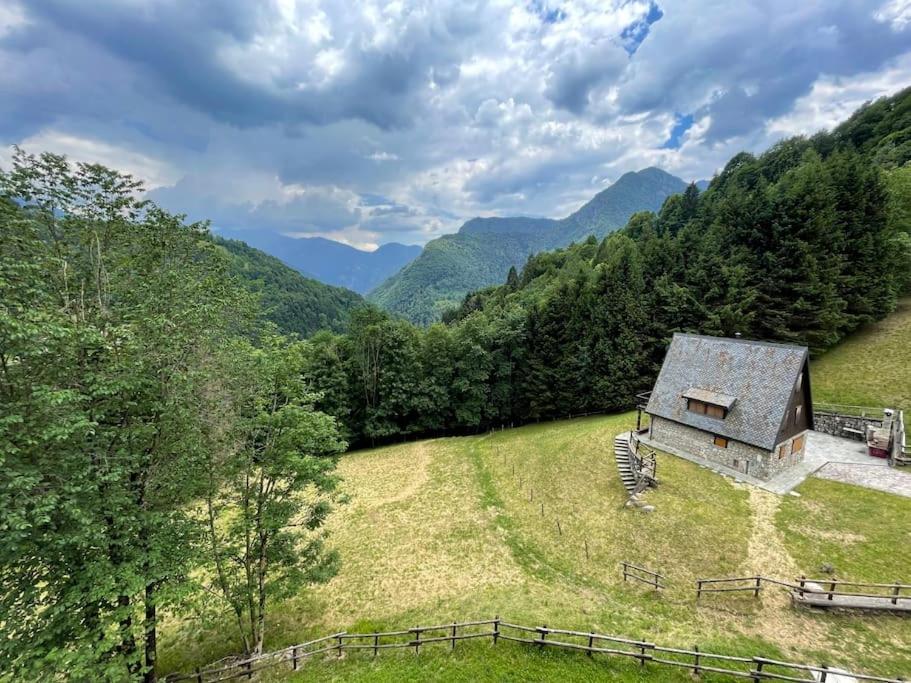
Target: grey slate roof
(760,376)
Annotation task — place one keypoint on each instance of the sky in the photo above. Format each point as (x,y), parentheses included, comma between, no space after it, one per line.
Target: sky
(371,122)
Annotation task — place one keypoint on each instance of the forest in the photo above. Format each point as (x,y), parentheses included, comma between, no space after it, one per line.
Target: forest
(802,244)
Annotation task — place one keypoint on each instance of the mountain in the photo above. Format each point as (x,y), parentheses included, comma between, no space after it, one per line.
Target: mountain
(484,249)
(332,262)
(293,302)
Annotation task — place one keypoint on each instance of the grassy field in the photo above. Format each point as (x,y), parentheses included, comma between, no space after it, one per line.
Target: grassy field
(871,368)
(453,529)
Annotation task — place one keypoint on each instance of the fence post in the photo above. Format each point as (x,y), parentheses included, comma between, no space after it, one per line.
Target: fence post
(803,583)
(698,589)
(895,593)
(757,672)
(198,675)
(294,658)
(339,646)
(591,644)
(249,668)
(543,632)
(417,640)
(496,629)
(624,571)
(756,592)
(832,586)
(824,673)
(642,654)
(696,663)
(452,646)
(376,644)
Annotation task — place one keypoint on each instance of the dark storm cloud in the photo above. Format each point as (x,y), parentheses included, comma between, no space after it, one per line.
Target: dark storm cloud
(388,119)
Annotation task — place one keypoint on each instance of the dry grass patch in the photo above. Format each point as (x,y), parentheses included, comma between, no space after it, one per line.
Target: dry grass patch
(413,536)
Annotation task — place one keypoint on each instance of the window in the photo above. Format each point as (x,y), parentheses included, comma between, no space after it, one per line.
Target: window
(695,406)
(714,411)
(797,412)
(799,382)
(720,441)
(784,450)
(703,408)
(797,445)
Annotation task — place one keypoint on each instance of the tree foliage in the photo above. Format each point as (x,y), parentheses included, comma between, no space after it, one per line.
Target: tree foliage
(113,314)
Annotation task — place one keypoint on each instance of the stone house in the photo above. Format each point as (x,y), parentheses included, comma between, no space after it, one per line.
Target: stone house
(742,404)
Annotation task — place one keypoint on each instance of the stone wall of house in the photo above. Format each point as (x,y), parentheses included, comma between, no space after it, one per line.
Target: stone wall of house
(836,425)
(737,456)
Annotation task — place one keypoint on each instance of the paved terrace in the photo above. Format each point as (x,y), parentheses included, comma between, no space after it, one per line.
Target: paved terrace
(826,456)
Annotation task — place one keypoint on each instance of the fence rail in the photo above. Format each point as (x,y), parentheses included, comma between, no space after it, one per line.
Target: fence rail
(831,589)
(644,652)
(901,452)
(637,573)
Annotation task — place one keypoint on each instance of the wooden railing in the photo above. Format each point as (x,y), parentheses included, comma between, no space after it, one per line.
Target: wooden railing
(901,452)
(833,588)
(642,458)
(637,573)
(830,588)
(644,652)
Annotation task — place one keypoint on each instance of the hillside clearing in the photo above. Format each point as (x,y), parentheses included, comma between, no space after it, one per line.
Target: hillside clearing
(871,367)
(452,529)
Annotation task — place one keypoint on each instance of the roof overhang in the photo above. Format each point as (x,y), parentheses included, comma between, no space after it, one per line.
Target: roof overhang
(712,397)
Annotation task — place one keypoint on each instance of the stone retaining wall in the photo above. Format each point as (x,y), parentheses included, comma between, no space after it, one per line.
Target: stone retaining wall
(835,424)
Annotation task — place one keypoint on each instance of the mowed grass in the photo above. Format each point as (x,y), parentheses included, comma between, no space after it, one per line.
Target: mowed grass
(453,529)
(871,367)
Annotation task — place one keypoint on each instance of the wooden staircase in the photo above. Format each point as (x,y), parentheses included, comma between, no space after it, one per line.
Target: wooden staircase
(624,462)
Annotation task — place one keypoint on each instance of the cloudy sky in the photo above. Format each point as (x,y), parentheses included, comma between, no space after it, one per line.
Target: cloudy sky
(371,122)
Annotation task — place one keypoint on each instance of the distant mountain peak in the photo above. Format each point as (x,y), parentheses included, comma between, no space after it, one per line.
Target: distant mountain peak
(482,251)
(332,262)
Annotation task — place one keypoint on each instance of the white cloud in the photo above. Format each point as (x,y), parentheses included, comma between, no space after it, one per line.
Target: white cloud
(896,13)
(153,172)
(833,99)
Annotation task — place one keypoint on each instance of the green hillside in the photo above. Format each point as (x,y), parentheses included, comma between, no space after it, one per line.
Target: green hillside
(451,266)
(467,528)
(870,368)
(484,249)
(296,304)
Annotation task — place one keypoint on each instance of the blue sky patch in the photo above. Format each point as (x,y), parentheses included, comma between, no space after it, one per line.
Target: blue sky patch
(547,14)
(682,123)
(633,35)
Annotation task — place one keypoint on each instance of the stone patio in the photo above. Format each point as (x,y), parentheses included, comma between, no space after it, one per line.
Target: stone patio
(826,456)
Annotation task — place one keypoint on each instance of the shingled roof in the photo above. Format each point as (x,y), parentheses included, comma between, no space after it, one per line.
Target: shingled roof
(756,380)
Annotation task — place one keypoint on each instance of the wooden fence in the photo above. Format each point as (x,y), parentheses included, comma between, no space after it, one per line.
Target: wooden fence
(865,596)
(644,652)
(637,573)
(901,452)
(833,588)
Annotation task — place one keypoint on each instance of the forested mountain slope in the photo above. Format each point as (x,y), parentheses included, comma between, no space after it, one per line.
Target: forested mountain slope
(805,243)
(293,302)
(332,262)
(484,249)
